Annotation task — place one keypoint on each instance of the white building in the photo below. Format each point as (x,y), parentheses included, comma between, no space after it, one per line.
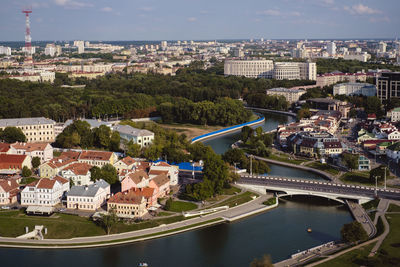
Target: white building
(80,45)
(44,151)
(88,197)
(78,173)
(363,57)
(382,47)
(172,171)
(44,192)
(36,130)
(138,136)
(364,89)
(5,50)
(331,48)
(291,95)
(394,115)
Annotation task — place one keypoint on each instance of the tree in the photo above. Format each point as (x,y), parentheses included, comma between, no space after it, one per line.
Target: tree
(168,204)
(303,113)
(109,174)
(102,136)
(379,173)
(353,113)
(109,220)
(264,261)
(95,174)
(350,160)
(12,135)
(115,141)
(373,105)
(132,149)
(353,232)
(26,172)
(246,133)
(35,162)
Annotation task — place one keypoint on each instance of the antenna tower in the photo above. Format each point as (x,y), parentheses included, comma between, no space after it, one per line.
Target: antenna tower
(28,39)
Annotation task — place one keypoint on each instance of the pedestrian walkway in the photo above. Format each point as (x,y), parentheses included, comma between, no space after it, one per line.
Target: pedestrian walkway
(381,210)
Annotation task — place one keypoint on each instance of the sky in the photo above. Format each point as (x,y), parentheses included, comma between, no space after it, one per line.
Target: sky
(200,19)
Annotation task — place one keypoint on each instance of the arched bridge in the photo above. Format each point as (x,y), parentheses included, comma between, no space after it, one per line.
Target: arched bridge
(284,186)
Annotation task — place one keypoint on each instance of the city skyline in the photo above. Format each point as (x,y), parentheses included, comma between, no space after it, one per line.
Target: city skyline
(177,19)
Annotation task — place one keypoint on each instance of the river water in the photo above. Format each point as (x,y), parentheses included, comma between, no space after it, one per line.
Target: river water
(279,233)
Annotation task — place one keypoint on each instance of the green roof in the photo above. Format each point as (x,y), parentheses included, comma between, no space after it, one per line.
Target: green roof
(394,147)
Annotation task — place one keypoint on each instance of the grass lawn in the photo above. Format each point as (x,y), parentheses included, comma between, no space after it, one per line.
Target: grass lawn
(348,258)
(28,180)
(271,201)
(178,206)
(236,200)
(164,213)
(371,205)
(12,224)
(285,158)
(393,208)
(230,191)
(357,178)
(323,167)
(391,244)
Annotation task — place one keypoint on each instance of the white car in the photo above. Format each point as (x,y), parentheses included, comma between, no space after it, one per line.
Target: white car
(5,207)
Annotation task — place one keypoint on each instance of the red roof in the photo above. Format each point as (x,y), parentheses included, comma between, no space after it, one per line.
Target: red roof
(11,161)
(95,155)
(79,168)
(128,160)
(4,147)
(62,180)
(129,197)
(30,146)
(46,183)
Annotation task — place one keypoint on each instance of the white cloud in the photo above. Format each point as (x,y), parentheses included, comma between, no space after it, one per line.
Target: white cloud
(146,8)
(71,4)
(191,19)
(270,12)
(361,9)
(376,20)
(329,2)
(107,9)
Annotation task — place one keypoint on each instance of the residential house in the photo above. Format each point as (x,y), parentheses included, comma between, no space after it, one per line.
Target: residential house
(137,179)
(35,129)
(44,151)
(172,171)
(127,205)
(149,194)
(9,190)
(14,163)
(137,136)
(78,173)
(97,158)
(53,167)
(126,163)
(88,197)
(161,184)
(44,192)
(393,152)
(333,148)
(364,164)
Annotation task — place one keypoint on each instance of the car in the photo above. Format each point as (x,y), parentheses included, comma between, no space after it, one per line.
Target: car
(5,207)
(62,209)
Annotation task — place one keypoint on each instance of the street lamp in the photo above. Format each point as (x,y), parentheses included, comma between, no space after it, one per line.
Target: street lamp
(376,186)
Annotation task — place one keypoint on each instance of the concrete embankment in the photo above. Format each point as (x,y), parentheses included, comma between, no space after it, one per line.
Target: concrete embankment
(227,130)
(305,168)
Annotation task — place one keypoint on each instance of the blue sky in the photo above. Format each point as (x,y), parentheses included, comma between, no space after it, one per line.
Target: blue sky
(201,19)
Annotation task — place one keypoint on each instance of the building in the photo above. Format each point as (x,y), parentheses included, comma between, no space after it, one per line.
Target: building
(88,197)
(364,89)
(9,190)
(394,115)
(137,179)
(126,163)
(335,77)
(44,151)
(127,205)
(44,192)
(388,85)
(331,48)
(172,171)
(97,158)
(249,68)
(363,57)
(364,164)
(53,167)
(36,130)
(393,152)
(80,45)
(5,50)
(137,136)
(77,173)
(291,95)
(14,163)
(161,185)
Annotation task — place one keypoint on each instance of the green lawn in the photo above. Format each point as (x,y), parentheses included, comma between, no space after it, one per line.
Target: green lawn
(348,258)
(236,200)
(230,191)
(323,167)
(271,201)
(164,213)
(28,180)
(285,158)
(178,206)
(357,178)
(391,244)
(393,208)
(371,205)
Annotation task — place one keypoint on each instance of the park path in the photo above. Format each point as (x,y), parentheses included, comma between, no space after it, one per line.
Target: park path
(381,210)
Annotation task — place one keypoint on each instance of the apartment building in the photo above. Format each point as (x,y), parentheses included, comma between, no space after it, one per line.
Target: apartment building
(137,136)
(36,130)
(127,205)
(44,192)
(88,197)
(44,151)
(388,85)
(291,95)
(364,89)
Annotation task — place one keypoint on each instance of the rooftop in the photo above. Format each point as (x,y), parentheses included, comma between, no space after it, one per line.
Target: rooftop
(126,129)
(25,121)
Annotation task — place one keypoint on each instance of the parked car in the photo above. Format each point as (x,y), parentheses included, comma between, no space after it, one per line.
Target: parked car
(5,207)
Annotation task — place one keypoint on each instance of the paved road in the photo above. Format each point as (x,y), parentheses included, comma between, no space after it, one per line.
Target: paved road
(319,186)
(362,217)
(239,211)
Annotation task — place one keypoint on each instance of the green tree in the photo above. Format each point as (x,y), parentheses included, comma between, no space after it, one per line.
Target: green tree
(109,174)
(350,160)
(108,221)
(264,261)
(303,113)
(115,141)
(132,149)
(373,105)
(102,136)
(35,162)
(12,135)
(95,174)
(353,232)
(379,172)
(246,133)
(168,204)
(26,172)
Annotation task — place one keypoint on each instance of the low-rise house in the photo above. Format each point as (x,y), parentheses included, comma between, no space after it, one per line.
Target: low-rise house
(393,152)
(333,148)
(161,184)
(9,190)
(126,163)
(172,171)
(97,158)
(44,192)
(14,162)
(78,173)
(53,167)
(88,197)
(44,151)
(381,148)
(149,194)
(394,115)
(137,136)
(64,182)
(137,179)
(127,205)
(364,164)
(365,137)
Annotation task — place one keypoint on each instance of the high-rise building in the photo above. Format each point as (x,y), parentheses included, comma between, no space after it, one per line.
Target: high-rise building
(80,45)
(382,47)
(164,45)
(4,50)
(238,52)
(388,85)
(331,48)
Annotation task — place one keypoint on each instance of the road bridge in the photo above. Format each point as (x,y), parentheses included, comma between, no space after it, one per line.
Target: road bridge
(284,186)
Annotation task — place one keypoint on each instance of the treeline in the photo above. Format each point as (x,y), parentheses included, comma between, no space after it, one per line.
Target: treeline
(352,66)
(224,111)
(261,100)
(123,94)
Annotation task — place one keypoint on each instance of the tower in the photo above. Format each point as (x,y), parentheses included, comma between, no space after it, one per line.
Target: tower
(28,39)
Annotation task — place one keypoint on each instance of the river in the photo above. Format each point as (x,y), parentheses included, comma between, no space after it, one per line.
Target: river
(279,233)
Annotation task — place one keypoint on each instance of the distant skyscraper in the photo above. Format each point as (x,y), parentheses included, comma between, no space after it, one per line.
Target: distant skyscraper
(164,45)
(382,47)
(331,48)
(80,45)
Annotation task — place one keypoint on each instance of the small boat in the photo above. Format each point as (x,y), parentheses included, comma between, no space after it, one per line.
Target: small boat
(309,230)
(143,264)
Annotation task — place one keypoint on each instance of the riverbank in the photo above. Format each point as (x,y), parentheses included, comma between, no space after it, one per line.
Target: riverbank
(232,214)
(274,111)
